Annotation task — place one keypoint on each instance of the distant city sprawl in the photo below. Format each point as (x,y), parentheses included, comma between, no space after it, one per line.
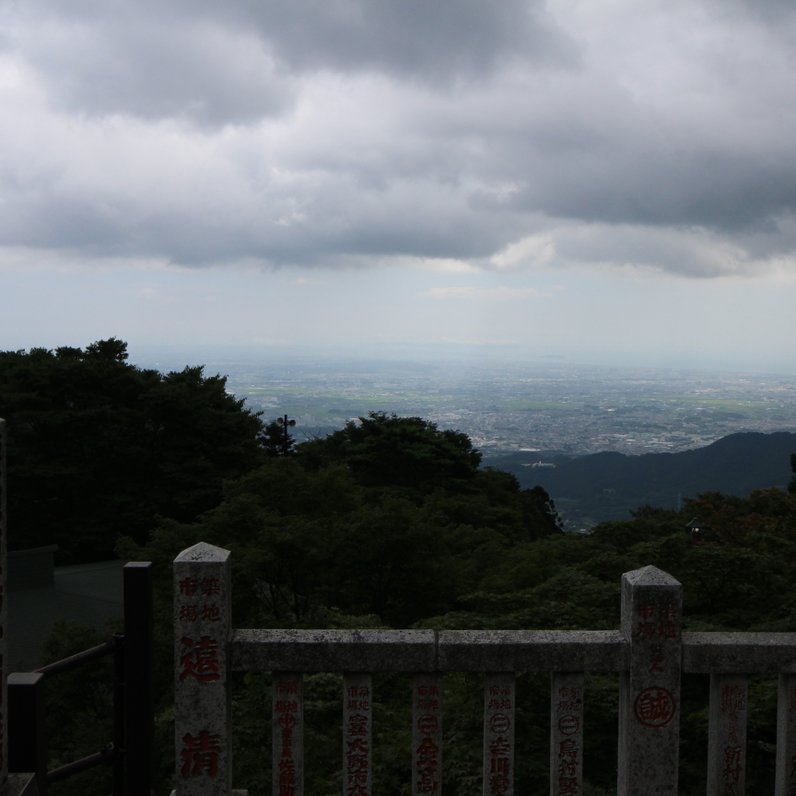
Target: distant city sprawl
(509,407)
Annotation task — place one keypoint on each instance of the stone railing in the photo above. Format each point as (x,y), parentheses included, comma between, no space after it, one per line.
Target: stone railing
(649,652)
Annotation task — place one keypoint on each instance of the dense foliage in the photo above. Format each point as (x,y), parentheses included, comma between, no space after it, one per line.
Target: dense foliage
(388,522)
(394,500)
(98,448)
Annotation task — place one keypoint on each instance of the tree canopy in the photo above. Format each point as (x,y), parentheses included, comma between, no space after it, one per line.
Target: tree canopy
(98,448)
(389,517)
(400,452)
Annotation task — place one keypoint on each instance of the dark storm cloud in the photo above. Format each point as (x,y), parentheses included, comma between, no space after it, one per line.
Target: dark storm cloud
(428,40)
(332,131)
(699,185)
(233,63)
(154,65)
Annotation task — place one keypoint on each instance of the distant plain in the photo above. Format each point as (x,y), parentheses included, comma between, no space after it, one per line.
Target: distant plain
(505,404)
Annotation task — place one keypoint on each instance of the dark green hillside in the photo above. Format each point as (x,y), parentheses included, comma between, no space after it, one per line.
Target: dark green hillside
(610,485)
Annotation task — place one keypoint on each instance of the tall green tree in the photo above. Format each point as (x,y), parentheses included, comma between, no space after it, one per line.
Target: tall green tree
(277,439)
(98,447)
(406,453)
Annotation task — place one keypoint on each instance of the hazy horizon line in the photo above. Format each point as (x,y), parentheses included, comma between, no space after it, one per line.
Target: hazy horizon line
(146,354)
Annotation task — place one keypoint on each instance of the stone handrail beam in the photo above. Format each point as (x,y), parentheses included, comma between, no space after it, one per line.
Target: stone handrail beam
(739,653)
(429,651)
(497,650)
(334,650)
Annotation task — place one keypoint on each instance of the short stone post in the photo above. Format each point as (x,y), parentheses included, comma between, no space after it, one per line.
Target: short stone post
(287,750)
(202,595)
(499,701)
(649,695)
(727,735)
(427,734)
(358,734)
(566,734)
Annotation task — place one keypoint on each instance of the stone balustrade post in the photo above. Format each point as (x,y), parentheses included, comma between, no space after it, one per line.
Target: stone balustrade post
(566,734)
(427,734)
(727,735)
(499,721)
(287,716)
(202,597)
(649,695)
(358,734)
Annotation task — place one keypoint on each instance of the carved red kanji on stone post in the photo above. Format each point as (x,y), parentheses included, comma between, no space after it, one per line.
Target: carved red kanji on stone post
(201,701)
(649,697)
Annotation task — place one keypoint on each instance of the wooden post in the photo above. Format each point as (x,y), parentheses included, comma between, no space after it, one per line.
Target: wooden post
(649,695)
(202,595)
(138,696)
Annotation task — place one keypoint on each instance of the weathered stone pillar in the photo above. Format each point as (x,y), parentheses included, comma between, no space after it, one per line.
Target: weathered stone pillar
(649,695)
(566,734)
(499,701)
(202,595)
(427,734)
(727,735)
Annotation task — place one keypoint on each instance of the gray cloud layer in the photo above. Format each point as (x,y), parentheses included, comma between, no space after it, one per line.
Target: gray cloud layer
(335,132)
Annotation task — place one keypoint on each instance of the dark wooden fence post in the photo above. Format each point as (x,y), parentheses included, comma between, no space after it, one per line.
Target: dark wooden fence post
(118,715)
(27,748)
(138,699)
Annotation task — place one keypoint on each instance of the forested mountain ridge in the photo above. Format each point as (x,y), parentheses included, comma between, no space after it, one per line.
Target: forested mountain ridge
(604,486)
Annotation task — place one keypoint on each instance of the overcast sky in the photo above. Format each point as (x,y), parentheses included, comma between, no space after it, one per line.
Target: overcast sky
(597,179)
